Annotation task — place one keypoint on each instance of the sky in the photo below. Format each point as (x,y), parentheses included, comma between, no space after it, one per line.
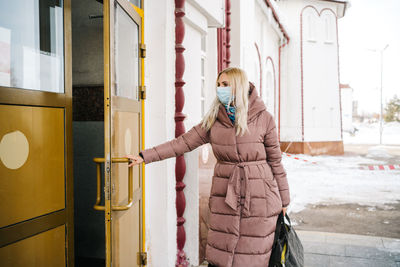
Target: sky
(369,25)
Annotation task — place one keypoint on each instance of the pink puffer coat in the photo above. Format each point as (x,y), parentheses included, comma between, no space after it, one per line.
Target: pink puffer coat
(249,185)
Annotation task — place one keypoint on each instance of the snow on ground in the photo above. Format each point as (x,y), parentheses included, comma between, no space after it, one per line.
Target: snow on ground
(337,180)
(368,133)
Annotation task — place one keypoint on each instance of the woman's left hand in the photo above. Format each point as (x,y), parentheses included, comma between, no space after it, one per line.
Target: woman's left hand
(134,160)
(284,211)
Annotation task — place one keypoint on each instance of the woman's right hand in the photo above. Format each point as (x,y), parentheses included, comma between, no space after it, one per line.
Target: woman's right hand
(134,160)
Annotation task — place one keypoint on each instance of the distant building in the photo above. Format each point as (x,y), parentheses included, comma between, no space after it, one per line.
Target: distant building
(310,96)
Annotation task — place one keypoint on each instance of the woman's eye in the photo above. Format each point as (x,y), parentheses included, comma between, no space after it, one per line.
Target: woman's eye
(224,84)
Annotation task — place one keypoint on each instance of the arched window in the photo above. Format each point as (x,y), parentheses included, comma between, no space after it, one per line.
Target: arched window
(269,92)
(310,26)
(329,27)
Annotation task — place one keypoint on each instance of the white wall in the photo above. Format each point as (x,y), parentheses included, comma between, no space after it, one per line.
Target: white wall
(213,10)
(236,33)
(160,125)
(320,70)
(320,76)
(290,124)
(251,24)
(247,50)
(211,66)
(268,41)
(195,28)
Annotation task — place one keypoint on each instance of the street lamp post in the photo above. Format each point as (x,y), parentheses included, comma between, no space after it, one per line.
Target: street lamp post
(381,116)
(381,113)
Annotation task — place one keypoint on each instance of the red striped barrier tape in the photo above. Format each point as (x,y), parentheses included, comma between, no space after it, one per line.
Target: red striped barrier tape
(297,158)
(380,167)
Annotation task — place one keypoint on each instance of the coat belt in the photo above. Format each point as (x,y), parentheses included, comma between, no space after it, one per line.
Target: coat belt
(232,198)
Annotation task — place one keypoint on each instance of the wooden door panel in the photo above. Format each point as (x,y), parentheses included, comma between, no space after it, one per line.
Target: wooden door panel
(44,249)
(31,162)
(126,225)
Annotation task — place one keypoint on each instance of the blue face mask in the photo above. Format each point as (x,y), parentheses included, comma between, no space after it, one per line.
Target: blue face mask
(224,93)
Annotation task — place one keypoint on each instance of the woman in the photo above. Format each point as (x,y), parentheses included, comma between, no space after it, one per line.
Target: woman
(249,186)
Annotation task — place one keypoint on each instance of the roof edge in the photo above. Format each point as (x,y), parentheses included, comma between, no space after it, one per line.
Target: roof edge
(277,19)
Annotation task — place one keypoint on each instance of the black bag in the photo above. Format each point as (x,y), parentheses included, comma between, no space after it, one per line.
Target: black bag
(287,250)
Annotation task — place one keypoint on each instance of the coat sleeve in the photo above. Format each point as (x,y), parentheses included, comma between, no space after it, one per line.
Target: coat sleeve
(274,158)
(186,142)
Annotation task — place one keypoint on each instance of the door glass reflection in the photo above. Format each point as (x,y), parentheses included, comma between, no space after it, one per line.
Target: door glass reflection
(126,55)
(32,45)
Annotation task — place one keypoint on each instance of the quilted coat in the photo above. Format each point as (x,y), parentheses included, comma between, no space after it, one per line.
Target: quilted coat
(249,184)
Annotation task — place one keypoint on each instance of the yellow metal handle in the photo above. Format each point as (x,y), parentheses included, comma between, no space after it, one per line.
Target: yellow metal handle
(98,162)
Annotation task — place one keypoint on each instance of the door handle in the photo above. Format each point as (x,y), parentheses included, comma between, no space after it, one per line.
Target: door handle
(98,162)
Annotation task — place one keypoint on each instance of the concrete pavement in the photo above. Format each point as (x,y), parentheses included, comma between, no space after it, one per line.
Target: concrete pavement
(323,249)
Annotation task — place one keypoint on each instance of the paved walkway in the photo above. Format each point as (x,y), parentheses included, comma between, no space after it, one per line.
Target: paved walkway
(323,249)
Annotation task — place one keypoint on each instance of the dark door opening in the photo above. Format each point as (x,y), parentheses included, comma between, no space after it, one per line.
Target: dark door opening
(88,129)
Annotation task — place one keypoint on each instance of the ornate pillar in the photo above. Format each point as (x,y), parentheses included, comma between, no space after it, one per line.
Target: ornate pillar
(180,165)
(224,40)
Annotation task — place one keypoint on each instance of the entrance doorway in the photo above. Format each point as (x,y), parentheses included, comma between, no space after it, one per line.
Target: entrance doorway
(71,81)
(107,126)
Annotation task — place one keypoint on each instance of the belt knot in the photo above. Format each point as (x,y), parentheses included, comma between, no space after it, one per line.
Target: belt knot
(232,198)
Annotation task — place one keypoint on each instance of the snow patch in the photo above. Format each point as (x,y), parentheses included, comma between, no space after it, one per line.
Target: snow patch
(338,180)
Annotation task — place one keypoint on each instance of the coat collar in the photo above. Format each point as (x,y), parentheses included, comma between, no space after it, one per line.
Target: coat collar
(256,105)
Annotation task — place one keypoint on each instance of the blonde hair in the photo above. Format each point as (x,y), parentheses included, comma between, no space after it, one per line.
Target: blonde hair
(240,86)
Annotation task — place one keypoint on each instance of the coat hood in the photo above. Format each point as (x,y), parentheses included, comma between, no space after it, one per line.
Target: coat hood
(256,105)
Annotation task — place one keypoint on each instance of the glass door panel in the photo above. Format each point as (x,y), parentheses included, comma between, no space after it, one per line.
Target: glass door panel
(32,45)
(126,55)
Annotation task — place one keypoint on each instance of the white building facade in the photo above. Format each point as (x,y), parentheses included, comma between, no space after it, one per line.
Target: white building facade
(289,49)
(310,100)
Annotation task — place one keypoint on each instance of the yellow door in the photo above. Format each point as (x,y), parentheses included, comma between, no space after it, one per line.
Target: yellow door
(36,204)
(123,95)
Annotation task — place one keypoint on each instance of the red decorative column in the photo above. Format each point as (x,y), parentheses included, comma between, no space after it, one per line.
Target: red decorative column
(224,40)
(180,165)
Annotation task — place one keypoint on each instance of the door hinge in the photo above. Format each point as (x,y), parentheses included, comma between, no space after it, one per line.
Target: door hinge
(143,50)
(142,258)
(142,91)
